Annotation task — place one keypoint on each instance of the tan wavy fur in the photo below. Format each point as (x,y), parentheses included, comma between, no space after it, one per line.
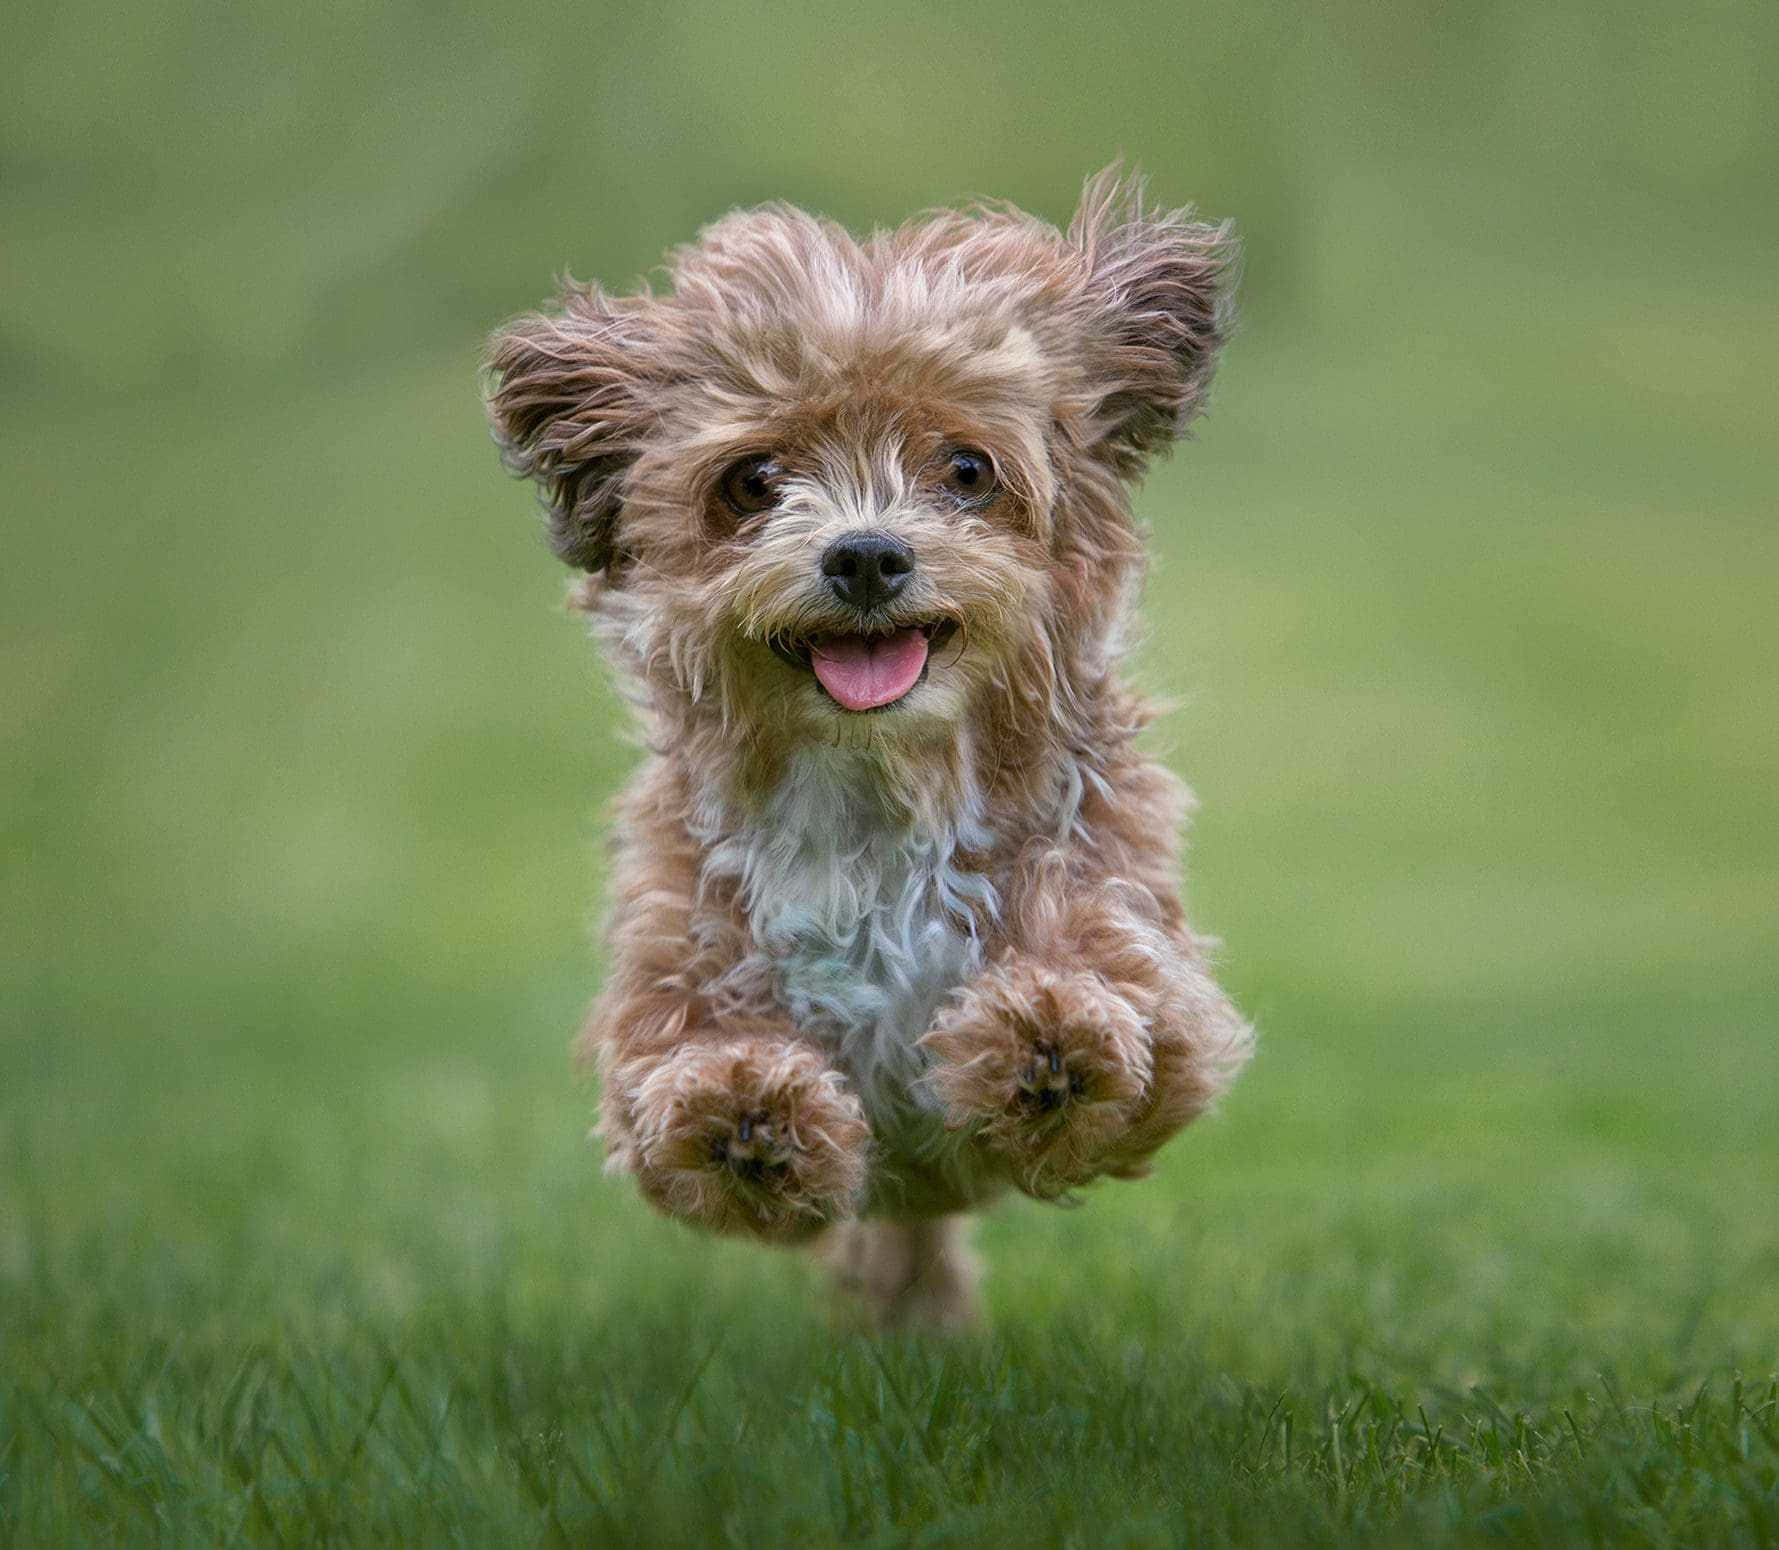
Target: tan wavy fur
(867,969)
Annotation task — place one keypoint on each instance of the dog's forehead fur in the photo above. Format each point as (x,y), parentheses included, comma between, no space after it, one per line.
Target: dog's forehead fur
(784,332)
(967,277)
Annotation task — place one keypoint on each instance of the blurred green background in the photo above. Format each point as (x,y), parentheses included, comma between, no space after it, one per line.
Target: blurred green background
(1468,590)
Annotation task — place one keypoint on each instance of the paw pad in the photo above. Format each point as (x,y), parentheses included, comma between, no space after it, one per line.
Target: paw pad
(1046,1083)
(751,1148)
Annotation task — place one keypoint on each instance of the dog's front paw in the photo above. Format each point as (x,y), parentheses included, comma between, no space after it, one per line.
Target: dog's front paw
(757,1137)
(1046,1069)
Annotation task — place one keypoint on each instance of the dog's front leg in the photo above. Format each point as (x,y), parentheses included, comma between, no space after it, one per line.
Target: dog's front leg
(1091,1037)
(726,1116)
(739,1127)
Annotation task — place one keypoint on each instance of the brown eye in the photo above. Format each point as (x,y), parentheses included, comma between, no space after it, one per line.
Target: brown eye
(751,486)
(969,474)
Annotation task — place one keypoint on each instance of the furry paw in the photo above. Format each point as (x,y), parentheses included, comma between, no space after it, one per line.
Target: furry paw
(1048,1070)
(755,1137)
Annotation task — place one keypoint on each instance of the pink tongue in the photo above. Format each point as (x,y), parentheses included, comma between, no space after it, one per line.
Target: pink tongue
(862,672)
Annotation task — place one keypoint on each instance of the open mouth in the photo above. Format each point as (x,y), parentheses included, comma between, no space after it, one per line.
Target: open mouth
(861,672)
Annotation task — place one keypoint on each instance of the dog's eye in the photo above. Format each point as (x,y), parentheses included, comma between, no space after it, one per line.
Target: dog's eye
(969,474)
(751,486)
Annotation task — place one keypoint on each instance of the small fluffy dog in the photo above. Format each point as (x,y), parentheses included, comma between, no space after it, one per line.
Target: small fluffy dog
(897,916)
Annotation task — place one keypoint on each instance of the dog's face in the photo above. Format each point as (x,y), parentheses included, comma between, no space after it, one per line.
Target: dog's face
(845,490)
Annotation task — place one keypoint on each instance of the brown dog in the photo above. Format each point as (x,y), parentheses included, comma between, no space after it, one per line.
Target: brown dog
(897,915)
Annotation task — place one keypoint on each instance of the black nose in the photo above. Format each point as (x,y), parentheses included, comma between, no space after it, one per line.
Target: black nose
(867,569)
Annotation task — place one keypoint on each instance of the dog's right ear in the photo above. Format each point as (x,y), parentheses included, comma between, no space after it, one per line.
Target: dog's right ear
(569,401)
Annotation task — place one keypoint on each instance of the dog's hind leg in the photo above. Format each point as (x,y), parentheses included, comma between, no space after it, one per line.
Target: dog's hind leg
(918,1274)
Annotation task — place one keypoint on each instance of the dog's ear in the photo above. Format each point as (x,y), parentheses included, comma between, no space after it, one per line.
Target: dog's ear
(570,400)
(1159,289)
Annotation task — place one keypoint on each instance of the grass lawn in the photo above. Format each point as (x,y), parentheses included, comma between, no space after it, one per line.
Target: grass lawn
(1469,613)
(299,1235)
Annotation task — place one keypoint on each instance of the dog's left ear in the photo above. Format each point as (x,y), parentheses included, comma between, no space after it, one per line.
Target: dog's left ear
(1158,297)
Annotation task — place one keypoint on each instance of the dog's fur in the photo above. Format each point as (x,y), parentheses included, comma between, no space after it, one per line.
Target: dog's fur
(869,968)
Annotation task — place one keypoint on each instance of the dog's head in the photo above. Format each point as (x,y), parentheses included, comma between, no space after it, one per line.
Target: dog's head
(843,489)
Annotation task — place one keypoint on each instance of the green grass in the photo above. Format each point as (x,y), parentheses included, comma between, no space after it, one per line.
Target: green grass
(1466,596)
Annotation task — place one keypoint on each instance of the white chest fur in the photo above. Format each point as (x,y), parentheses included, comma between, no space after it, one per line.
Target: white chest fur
(865,923)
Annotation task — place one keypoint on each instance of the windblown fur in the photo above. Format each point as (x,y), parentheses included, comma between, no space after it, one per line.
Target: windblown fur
(884,963)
